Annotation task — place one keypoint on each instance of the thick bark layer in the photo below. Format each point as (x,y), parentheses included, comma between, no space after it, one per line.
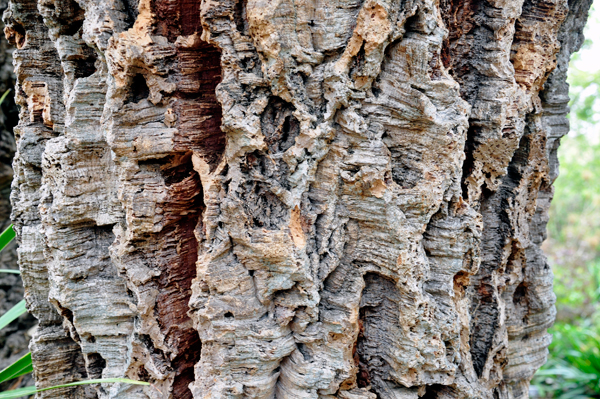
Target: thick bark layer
(327,199)
(14,338)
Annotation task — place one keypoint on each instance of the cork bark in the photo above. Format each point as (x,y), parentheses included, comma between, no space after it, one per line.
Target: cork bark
(14,338)
(289,199)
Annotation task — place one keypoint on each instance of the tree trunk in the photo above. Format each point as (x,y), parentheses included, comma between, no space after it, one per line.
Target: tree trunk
(14,337)
(289,199)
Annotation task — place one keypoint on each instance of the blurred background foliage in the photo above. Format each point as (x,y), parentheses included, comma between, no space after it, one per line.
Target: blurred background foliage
(573,244)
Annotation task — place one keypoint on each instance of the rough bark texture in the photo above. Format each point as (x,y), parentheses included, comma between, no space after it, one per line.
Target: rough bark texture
(290,199)
(14,338)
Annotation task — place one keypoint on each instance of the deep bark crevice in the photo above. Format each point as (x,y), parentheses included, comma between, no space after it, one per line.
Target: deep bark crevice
(198,111)
(138,89)
(380,324)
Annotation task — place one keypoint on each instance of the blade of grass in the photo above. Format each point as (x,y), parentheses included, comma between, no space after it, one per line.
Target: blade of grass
(4,96)
(17,393)
(22,366)
(10,271)
(7,236)
(13,314)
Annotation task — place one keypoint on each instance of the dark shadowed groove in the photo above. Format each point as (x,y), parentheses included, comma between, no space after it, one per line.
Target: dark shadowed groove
(198,123)
(198,111)
(379,315)
(485,306)
(198,73)
(180,248)
(279,126)
(498,234)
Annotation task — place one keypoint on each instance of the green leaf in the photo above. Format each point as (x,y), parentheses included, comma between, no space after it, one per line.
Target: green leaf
(17,393)
(4,96)
(10,271)
(22,366)
(13,314)
(7,236)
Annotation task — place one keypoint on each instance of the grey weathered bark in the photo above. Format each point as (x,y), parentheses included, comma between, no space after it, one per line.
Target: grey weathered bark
(290,199)
(14,338)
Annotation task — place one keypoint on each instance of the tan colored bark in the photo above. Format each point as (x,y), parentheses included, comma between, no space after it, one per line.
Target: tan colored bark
(289,199)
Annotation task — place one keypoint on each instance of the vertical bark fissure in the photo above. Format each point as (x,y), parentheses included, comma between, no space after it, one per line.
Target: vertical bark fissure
(161,168)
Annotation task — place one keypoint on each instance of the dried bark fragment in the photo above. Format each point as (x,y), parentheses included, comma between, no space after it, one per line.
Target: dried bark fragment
(290,199)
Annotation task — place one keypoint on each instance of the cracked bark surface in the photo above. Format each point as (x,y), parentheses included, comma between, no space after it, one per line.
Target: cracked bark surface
(14,338)
(283,199)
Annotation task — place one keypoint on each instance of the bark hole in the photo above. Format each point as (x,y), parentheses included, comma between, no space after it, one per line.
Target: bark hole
(279,125)
(86,67)
(432,391)
(15,34)
(261,205)
(362,378)
(358,63)
(68,325)
(241,19)
(469,162)
(461,281)
(132,9)
(177,172)
(138,90)
(405,161)
(521,304)
(73,20)
(520,295)
(94,365)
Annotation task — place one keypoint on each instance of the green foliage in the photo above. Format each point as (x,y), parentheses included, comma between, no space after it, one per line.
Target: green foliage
(6,93)
(573,370)
(13,314)
(584,78)
(573,245)
(7,235)
(22,366)
(5,238)
(584,95)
